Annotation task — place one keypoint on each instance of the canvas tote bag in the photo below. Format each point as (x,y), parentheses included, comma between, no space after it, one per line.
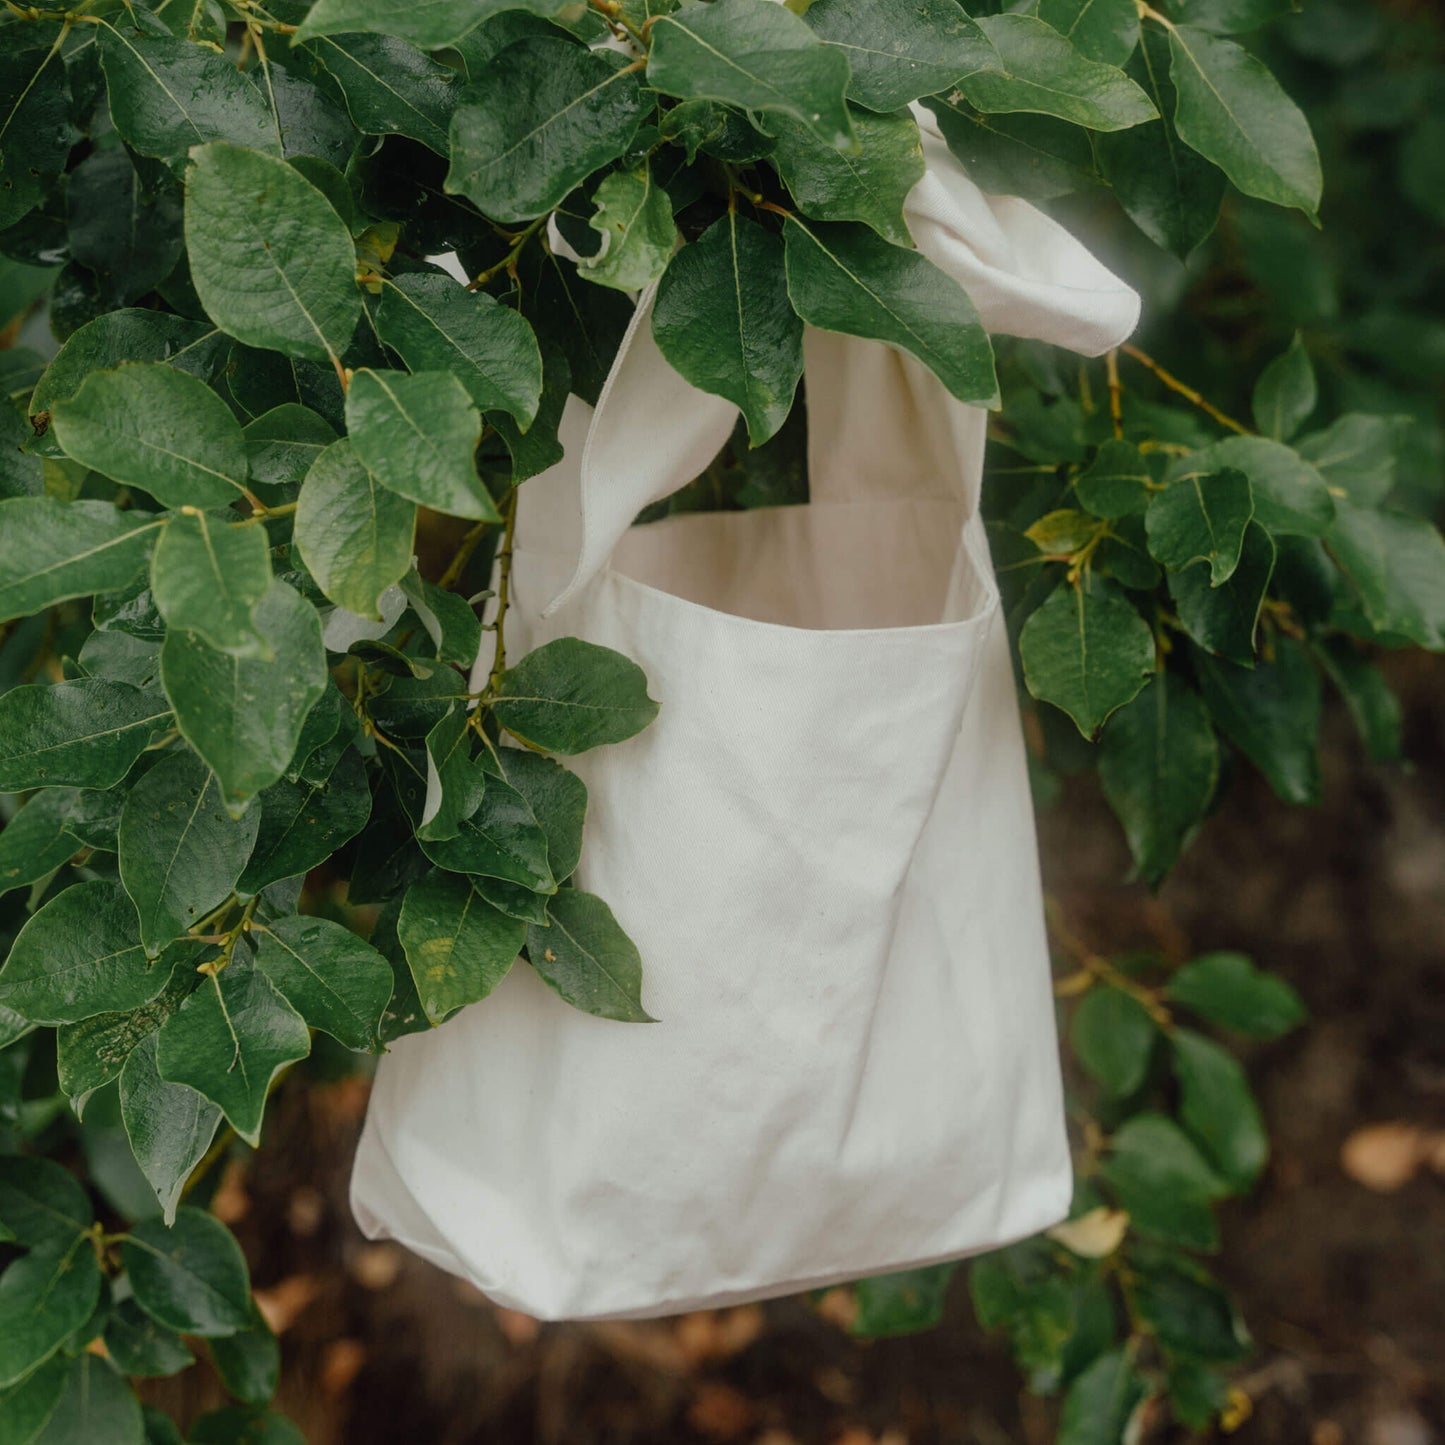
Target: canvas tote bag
(823,847)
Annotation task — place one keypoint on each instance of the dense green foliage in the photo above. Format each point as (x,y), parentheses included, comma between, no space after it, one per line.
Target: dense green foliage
(235,651)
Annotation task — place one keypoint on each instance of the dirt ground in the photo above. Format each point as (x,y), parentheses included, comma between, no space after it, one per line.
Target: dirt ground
(1343,1286)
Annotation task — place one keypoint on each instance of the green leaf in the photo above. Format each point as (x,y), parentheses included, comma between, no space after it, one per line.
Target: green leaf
(207,577)
(739,341)
(418,436)
(1104,30)
(1233,112)
(1224,619)
(282,444)
(181,852)
(558,799)
(633,216)
(845,278)
(159,1427)
(390,87)
(568,696)
(1397,564)
(1271,713)
(304,822)
(458,947)
(335,981)
(215,694)
(1228,990)
(1040,71)
(150,426)
(430,23)
(903,1303)
(1113,1037)
(1163,1182)
(190,1276)
(1117,483)
(899,50)
(1373,706)
(1218,1108)
(354,534)
(139,1346)
(1086,651)
(869,185)
(434,324)
(170,1126)
(126,233)
(130,335)
(249,1362)
(41,1203)
(167,95)
(1166,188)
(455,781)
(1201,517)
(501,839)
(45,1296)
(756,56)
(26,1406)
(229,1041)
(272,262)
(238,1426)
(51,551)
(1357,455)
(586,958)
(96,1407)
(35,841)
(1286,392)
(1291,498)
(448,619)
(1100,1403)
(1033,156)
(1159,765)
(78,956)
(538,120)
(1188,1313)
(92,1052)
(35,130)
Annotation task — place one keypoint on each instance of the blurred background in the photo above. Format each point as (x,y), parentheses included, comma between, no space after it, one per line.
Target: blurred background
(1338,1260)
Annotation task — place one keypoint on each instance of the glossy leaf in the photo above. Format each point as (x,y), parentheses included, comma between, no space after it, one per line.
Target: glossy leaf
(45,1296)
(1228,990)
(1396,562)
(434,324)
(36,131)
(455,781)
(96,1407)
(272,262)
(903,1303)
(845,278)
(1286,392)
(1117,483)
(207,577)
(249,1361)
(899,50)
(869,185)
(501,839)
(430,24)
(334,980)
(568,696)
(558,800)
(1104,30)
(1086,651)
(139,1346)
(42,1203)
(1291,498)
(170,1126)
(35,841)
(181,852)
(1218,1108)
(1113,1036)
(1201,517)
(458,947)
(418,436)
(190,1276)
(390,87)
(1234,113)
(1163,1182)
(216,695)
(229,1040)
(282,444)
(737,340)
(1039,70)
(80,955)
(1100,1403)
(633,217)
(1224,619)
(537,121)
(51,550)
(586,958)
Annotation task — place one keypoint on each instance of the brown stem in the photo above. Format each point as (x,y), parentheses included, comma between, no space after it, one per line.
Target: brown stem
(1184,390)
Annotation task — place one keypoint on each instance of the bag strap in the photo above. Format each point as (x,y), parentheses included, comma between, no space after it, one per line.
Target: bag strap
(653,432)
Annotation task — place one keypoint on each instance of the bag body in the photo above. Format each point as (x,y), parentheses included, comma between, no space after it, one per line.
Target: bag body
(823,848)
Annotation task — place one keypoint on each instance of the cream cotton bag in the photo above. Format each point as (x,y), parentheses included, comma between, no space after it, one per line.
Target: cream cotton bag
(823,847)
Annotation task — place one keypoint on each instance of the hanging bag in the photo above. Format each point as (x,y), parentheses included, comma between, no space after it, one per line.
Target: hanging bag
(823,848)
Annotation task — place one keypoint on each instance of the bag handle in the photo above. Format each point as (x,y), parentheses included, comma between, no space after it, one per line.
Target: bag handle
(653,432)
